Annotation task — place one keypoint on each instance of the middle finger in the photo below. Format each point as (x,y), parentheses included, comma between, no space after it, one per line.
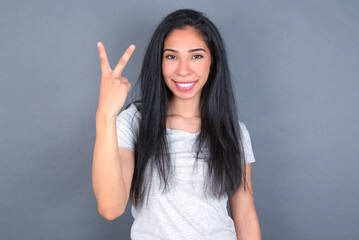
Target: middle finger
(124,59)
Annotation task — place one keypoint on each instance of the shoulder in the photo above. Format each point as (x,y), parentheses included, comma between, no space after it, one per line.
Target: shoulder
(243,129)
(127,125)
(246,143)
(244,132)
(128,117)
(129,113)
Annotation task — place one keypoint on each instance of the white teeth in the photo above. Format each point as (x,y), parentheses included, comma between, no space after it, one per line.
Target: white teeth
(185,84)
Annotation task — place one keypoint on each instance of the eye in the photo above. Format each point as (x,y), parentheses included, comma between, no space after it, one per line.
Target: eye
(198,56)
(170,57)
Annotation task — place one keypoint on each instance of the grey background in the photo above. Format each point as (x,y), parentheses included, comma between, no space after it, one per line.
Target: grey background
(295,68)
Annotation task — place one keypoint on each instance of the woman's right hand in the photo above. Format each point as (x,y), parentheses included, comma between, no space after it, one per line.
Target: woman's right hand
(113,87)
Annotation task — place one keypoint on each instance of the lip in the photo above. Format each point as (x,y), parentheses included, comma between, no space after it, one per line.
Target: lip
(185,82)
(184,89)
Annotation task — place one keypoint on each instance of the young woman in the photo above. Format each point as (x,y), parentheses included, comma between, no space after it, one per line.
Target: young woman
(180,153)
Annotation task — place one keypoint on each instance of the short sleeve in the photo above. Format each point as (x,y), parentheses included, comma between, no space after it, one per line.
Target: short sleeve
(127,123)
(247,145)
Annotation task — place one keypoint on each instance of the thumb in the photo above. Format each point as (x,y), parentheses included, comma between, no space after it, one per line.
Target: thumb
(128,84)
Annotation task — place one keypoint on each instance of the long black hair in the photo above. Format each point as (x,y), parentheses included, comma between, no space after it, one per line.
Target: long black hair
(220,129)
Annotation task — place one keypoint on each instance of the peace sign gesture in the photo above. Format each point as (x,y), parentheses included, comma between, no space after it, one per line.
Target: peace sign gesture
(113,87)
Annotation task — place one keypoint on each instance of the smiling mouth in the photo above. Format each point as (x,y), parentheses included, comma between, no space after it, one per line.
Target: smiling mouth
(185,83)
(185,86)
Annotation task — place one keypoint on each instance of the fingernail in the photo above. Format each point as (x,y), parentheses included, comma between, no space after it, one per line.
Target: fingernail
(132,47)
(98,44)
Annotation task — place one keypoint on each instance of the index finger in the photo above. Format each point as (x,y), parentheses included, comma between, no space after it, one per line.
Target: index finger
(105,66)
(124,59)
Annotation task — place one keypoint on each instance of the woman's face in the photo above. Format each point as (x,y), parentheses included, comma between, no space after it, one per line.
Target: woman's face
(186,63)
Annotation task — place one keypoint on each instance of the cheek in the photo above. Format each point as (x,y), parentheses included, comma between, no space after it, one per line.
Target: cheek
(167,70)
(204,68)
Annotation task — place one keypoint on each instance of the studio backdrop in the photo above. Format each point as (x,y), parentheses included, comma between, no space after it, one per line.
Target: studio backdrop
(294,66)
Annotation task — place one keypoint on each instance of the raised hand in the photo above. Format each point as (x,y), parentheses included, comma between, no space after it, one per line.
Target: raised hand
(113,87)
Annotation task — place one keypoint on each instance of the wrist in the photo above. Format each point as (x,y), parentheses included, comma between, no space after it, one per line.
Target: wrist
(104,119)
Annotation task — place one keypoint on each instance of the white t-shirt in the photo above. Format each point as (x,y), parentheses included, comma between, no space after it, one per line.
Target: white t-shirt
(183,212)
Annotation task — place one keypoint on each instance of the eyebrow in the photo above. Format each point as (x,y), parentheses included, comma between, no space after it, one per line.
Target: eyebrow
(191,50)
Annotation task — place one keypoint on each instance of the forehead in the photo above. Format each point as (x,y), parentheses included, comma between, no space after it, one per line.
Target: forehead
(184,39)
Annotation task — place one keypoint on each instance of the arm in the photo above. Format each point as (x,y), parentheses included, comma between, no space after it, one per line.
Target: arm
(112,167)
(243,211)
(112,170)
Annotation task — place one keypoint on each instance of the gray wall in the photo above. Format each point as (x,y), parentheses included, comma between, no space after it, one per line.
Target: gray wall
(295,67)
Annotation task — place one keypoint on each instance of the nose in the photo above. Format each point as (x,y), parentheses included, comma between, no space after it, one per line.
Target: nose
(183,68)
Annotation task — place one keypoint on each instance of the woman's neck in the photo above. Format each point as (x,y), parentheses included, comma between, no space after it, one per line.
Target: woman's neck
(187,108)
